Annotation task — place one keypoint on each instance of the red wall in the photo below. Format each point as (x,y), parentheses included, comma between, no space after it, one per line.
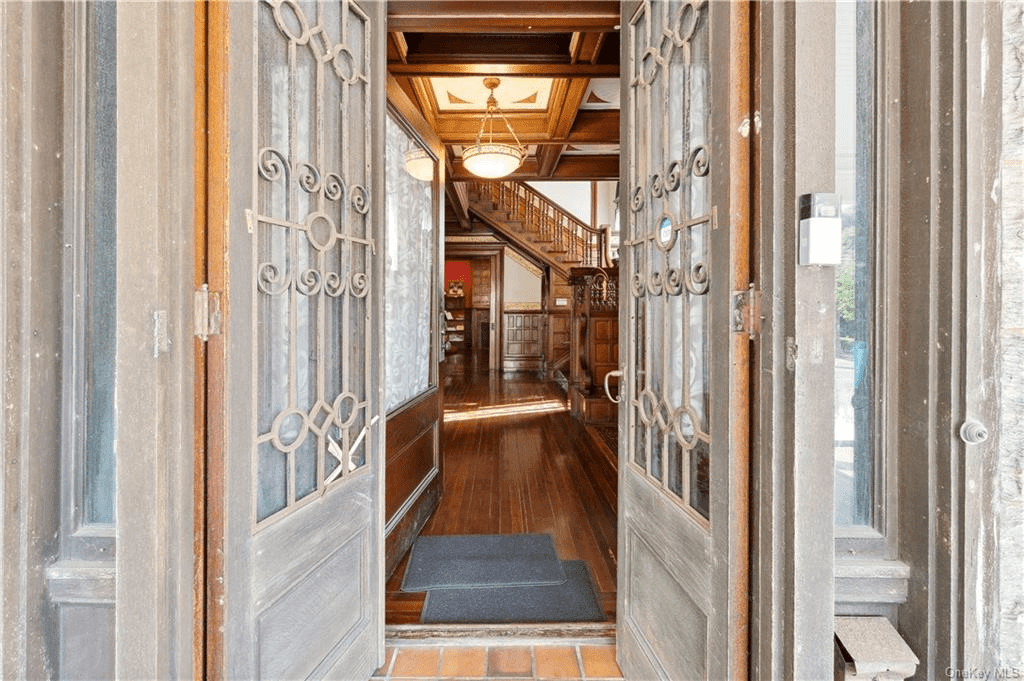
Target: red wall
(458,270)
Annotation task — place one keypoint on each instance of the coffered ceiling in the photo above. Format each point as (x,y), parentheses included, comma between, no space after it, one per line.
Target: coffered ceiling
(559,66)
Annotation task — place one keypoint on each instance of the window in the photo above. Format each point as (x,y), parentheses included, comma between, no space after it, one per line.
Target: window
(856,355)
(410,268)
(90,274)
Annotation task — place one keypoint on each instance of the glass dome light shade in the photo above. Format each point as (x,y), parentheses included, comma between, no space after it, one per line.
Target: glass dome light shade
(419,164)
(492,160)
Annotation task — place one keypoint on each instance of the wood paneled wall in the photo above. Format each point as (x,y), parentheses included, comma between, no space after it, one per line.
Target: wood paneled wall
(413,472)
(523,341)
(594,344)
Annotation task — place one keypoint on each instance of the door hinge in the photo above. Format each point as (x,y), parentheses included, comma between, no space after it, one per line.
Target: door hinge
(746,312)
(206,312)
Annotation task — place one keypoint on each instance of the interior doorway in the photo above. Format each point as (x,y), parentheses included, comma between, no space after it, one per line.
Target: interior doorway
(517,462)
(473,298)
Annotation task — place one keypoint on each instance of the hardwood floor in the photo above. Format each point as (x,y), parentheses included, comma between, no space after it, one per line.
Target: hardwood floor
(516,461)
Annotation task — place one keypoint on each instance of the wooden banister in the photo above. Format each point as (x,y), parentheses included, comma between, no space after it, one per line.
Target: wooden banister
(547,223)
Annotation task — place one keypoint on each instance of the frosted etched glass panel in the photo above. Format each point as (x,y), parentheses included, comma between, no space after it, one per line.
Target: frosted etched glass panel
(671,218)
(409,267)
(312,252)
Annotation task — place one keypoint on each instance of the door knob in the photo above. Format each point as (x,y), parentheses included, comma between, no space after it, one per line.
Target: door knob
(973,432)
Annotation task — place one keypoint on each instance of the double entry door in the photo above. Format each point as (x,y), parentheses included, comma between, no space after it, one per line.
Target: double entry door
(295,392)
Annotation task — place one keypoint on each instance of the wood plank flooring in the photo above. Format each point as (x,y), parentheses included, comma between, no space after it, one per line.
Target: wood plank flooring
(516,461)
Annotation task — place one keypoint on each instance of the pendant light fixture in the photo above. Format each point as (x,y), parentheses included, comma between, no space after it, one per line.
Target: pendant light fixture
(488,158)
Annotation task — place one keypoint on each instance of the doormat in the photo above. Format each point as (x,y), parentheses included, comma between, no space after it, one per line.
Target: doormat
(482,560)
(572,601)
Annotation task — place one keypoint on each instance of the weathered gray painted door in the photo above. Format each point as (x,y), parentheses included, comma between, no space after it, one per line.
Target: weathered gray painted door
(682,480)
(302,497)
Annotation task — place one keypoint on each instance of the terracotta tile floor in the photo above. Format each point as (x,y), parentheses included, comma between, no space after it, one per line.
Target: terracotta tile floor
(507,663)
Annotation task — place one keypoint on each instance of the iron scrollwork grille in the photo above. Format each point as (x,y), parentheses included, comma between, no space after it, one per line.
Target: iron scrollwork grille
(313,250)
(671,221)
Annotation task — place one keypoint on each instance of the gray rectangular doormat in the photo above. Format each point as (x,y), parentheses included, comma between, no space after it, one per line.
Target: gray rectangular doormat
(572,601)
(482,560)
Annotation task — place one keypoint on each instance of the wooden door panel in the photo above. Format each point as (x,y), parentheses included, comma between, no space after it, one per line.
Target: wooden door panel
(301,505)
(295,633)
(682,550)
(664,619)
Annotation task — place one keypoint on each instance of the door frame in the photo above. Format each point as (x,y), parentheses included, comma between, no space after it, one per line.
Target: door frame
(212,209)
(212,193)
(494,253)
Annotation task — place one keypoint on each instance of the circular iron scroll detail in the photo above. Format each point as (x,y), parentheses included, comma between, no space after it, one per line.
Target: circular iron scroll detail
(700,163)
(657,186)
(297,34)
(673,281)
(698,282)
(334,187)
(360,199)
(345,403)
(344,63)
(673,176)
(334,284)
(636,200)
(655,286)
(360,284)
(309,178)
(272,164)
(636,285)
(320,231)
(271,279)
(280,431)
(308,282)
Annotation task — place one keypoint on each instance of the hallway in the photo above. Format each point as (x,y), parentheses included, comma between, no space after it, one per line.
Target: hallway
(515,461)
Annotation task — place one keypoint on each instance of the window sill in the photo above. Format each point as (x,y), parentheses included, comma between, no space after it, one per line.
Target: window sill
(77,581)
(871,582)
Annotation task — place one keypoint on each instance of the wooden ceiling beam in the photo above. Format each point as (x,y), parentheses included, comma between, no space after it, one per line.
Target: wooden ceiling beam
(570,96)
(584,167)
(590,127)
(564,110)
(424,97)
(547,158)
(397,47)
(585,47)
(506,69)
(502,16)
(540,48)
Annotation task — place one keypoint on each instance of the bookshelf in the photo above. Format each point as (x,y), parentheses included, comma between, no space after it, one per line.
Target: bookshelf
(455,322)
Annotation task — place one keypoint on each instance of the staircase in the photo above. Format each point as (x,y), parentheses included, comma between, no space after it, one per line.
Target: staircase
(538,225)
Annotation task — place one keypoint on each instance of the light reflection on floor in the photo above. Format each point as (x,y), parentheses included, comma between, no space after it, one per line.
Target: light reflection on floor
(501,410)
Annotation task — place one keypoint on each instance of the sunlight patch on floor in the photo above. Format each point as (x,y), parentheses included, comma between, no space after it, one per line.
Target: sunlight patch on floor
(501,410)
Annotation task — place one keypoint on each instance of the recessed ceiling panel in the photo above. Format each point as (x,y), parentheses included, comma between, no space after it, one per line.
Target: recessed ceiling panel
(515,93)
(602,93)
